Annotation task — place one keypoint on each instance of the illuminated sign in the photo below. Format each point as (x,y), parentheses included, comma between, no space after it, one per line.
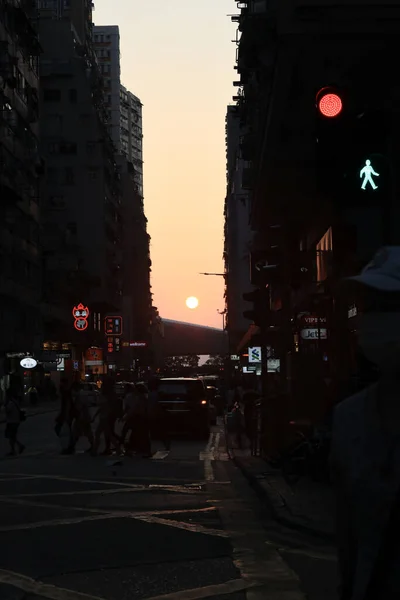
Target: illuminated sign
(81,315)
(110,345)
(28,363)
(255,354)
(368,173)
(113,326)
(314,334)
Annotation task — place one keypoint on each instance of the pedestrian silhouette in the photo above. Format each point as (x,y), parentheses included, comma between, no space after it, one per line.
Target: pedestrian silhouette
(367,173)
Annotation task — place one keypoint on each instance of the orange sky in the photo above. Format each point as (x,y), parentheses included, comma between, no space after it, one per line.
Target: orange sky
(177,56)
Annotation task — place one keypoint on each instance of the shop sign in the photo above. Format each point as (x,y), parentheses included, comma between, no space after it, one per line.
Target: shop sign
(255,354)
(28,362)
(94,357)
(66,355)
(81,315)
(60,364)
(314,334)
(137,344)
(313,320)
(113,326)
(235,357)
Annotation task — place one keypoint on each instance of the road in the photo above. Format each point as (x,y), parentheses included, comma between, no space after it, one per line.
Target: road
(183,525)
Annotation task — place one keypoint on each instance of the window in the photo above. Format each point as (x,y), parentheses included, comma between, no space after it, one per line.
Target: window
(51,95)
(72,228)
(54,148)
(21,85)
(68,148)
(54,124)
(91,147)
(69,176)
(52,175)
(73,96)
(56,202)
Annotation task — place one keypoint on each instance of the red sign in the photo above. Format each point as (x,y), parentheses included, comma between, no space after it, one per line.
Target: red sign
(113,325)
(81,315)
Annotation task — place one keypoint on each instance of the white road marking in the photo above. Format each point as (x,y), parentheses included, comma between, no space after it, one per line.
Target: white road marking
(160,455)
(209,591)
(38,588)
(182,525)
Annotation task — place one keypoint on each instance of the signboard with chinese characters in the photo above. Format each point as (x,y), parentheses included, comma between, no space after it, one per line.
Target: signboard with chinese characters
(113,326)
(81,315)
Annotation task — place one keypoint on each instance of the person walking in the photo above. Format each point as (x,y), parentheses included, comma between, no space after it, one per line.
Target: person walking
(140,434)
(158,416)
(66,415)
(14,417)
(108,414)
(365,455)
(82,422)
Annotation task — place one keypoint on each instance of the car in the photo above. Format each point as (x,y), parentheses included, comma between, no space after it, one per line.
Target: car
(91,393)
(185,399)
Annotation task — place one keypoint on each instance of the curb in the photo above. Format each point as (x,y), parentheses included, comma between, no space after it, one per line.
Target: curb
(277,504)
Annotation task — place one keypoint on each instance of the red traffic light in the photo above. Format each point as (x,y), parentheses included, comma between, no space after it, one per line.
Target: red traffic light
(330,104)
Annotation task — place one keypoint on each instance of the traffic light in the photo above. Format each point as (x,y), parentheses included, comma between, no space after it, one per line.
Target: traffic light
(351,148)
(329,103)
(261,306)
(368,169)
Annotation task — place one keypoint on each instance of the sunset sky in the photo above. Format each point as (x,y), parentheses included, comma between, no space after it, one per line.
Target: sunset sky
(177,56)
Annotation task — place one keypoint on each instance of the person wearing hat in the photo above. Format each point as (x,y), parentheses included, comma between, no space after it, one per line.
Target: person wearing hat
(365,456)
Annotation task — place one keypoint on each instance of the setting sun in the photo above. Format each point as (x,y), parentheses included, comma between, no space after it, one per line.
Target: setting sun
(192,302)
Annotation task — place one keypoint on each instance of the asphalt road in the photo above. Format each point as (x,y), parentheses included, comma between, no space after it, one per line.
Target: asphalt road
(183,525)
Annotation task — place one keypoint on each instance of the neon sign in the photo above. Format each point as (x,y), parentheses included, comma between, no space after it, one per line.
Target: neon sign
(81,315)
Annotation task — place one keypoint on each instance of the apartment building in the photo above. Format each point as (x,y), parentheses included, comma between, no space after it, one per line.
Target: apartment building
(82,195)
(20,170)
(106,45)
(132,133)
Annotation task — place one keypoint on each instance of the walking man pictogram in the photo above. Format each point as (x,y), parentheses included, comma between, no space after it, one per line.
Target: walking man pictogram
(367,173)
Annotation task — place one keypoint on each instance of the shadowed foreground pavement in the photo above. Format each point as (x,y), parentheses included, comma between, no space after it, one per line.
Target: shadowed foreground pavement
(182,525)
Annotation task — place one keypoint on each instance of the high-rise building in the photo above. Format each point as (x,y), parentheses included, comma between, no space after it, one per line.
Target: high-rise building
(81,197)
(124,108)
(20,168)
(131,119)
(238,234)
(106,45)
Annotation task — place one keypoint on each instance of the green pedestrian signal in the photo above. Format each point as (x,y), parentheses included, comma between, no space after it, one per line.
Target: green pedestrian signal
(368,173)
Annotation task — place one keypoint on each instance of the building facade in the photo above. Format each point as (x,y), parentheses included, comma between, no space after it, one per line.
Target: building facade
(106,42)
(310,216)
(132,133)
(238,233)
(20,171)
(81,197)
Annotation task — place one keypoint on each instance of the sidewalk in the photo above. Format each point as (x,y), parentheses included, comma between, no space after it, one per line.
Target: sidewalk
(31,411)
(307,506)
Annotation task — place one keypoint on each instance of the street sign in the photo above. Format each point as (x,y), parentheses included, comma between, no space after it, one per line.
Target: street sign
(255,354)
